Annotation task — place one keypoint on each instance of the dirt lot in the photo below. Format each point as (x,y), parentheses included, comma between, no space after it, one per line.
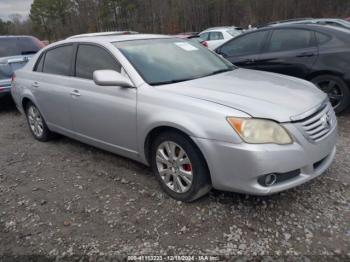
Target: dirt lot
(64,198)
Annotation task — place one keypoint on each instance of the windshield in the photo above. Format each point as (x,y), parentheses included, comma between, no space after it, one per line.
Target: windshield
(166,61)
(234,32)
(15,46)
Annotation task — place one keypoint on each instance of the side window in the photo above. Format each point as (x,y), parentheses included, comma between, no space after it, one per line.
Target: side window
(40,63)
(216,36)
(91,58)
(204,36)
(290,39)
(58,60)
(322,38)
(8,47)
(249,44)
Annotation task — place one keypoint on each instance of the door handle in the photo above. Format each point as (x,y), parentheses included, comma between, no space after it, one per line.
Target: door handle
(75,93)
(35,84)
(306,54)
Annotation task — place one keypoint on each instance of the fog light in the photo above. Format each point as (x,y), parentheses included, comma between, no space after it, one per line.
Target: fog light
(270,180)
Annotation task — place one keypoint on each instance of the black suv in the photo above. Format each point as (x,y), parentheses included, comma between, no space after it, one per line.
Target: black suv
(320,54)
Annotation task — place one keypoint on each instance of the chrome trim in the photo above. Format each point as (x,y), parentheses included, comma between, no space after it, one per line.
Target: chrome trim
(316,127)
(310,112)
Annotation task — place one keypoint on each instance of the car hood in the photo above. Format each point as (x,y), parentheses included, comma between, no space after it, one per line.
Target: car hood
(260,94)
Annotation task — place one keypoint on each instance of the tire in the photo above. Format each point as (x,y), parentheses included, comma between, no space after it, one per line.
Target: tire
(37,124)
(336,89)
(192,161)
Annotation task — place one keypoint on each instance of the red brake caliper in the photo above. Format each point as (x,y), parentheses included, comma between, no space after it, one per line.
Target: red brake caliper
(187,167)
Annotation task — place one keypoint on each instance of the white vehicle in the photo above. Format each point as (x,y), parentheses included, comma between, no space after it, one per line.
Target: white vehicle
(217,36)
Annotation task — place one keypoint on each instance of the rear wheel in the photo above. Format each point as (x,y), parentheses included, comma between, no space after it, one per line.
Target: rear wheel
(336,89)
(37,123)
(180,167)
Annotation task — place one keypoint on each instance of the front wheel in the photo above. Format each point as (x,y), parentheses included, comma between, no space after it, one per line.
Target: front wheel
(336,89)
(180,167)
(37,123)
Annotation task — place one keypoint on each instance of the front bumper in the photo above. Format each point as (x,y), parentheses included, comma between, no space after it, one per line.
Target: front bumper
(238,167)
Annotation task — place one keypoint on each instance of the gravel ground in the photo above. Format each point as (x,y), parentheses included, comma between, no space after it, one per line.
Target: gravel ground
(66,199)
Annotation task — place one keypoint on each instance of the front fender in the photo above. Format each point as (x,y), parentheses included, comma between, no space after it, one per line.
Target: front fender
(194,117)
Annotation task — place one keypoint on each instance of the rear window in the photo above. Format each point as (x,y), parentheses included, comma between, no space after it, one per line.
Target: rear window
(322,38)
(58,60)
(14,46)
(290,39)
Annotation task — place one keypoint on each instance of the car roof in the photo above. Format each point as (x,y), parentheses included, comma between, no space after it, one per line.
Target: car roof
(114,38)
(310,20)
(103,34)
(16,36)
(317,27)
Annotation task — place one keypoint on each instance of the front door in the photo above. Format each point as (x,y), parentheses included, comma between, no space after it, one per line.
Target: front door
(102,115)
(244,51)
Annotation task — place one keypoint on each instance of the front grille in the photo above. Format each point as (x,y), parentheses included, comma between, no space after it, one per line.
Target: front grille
(318,125)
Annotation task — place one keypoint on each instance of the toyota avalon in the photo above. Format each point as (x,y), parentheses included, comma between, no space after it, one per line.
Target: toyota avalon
(196,119)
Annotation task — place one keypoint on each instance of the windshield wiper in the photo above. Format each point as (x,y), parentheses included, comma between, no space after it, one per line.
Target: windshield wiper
(171,82)
(188,79)
(221,71)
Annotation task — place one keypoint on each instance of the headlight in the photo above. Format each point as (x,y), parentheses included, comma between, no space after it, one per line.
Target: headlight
(259,131)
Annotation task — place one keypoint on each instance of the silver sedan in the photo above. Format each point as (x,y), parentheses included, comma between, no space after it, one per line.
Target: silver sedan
(176,106)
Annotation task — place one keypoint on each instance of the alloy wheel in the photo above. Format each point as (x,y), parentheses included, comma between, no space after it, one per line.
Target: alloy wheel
(174,167)
(35,121)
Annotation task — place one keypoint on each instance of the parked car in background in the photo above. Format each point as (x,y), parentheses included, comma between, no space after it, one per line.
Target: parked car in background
(187,34)
(216,36)
(15,52)
(320,54)
(320,21)
(199,121)
(192,37)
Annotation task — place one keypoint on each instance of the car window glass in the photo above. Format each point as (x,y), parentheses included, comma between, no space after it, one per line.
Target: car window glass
(216,36)
(29,45)
(91,58)
(322,38)
(290,39)
(234,32)
(58,60)
(166,61)
(8,47)
(249,44)
(204,36)
(16,46)
(40,64)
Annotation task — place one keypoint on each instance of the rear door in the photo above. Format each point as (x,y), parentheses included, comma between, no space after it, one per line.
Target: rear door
(244,51)
(102,115)
(289,51)
(51,86)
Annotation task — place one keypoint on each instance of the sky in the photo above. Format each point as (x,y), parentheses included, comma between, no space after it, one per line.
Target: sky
(8,7)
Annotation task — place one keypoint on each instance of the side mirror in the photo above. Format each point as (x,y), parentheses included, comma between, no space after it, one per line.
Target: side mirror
(111,78)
